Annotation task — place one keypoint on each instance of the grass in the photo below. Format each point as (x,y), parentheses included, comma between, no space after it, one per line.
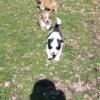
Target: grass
(22,45)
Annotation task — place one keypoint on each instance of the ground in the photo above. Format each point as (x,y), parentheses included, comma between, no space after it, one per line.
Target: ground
(23,60)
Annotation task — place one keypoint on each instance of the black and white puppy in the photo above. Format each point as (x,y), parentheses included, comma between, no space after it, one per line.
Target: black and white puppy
(54,42)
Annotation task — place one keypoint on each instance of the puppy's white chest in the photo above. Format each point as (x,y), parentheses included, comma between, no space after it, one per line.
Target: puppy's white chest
(43,24)
(46,26)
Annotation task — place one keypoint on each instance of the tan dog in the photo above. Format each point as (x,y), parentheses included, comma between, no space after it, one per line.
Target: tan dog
(48,4)
(44,20)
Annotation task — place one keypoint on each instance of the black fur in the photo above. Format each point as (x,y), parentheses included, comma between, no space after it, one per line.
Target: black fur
(59,44)
(55,29)
(49,43)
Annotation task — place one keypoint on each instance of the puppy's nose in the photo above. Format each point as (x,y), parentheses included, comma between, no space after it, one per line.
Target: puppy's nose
(53,55)
(47,22)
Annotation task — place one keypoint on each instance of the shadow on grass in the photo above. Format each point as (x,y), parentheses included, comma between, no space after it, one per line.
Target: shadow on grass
(46,90)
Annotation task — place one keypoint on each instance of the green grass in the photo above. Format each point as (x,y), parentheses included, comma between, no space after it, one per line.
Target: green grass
(20,36)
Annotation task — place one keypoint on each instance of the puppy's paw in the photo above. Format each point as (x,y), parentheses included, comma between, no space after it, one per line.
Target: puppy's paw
(50,58)
(57,59)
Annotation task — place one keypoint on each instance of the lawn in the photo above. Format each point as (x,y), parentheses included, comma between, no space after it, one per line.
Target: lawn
(23,60)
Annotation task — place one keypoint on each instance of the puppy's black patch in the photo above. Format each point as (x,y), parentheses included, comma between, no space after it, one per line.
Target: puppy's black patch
(59,44)
(49,43)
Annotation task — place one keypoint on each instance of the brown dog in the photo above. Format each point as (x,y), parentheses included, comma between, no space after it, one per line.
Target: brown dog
(48,4)
(44,20)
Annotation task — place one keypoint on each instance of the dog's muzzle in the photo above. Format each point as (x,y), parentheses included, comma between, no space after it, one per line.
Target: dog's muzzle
(53,55)
(47,22)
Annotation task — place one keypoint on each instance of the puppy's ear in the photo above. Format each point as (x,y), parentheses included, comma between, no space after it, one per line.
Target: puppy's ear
(61,41)
(49,41)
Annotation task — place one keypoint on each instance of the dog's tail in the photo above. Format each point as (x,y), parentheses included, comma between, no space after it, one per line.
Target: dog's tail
(58,23)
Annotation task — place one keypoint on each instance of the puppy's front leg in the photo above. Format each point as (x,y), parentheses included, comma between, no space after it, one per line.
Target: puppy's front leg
(42,25)
(42,6)
(48,54)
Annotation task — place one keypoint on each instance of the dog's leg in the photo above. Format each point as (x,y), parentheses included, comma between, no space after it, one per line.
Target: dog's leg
(48,53)
(42,6)
(42,25)
(42,28)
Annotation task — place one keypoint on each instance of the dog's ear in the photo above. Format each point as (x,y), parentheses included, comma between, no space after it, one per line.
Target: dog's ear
(49,43)
(49,40)
(61,41)
(59,44)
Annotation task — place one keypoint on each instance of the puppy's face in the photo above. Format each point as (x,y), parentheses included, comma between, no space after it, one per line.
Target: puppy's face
(54,45)
(45,16)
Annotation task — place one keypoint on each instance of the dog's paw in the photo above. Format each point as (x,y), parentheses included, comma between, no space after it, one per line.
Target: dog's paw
(57,59)
(43,28)
(50,58)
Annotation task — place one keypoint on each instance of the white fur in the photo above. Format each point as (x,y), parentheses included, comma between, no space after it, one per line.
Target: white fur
(58,20)
(44,25)
(48,26)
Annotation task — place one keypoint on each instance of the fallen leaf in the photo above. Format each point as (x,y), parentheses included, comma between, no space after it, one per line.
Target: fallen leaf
(26,69)
(6,84)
